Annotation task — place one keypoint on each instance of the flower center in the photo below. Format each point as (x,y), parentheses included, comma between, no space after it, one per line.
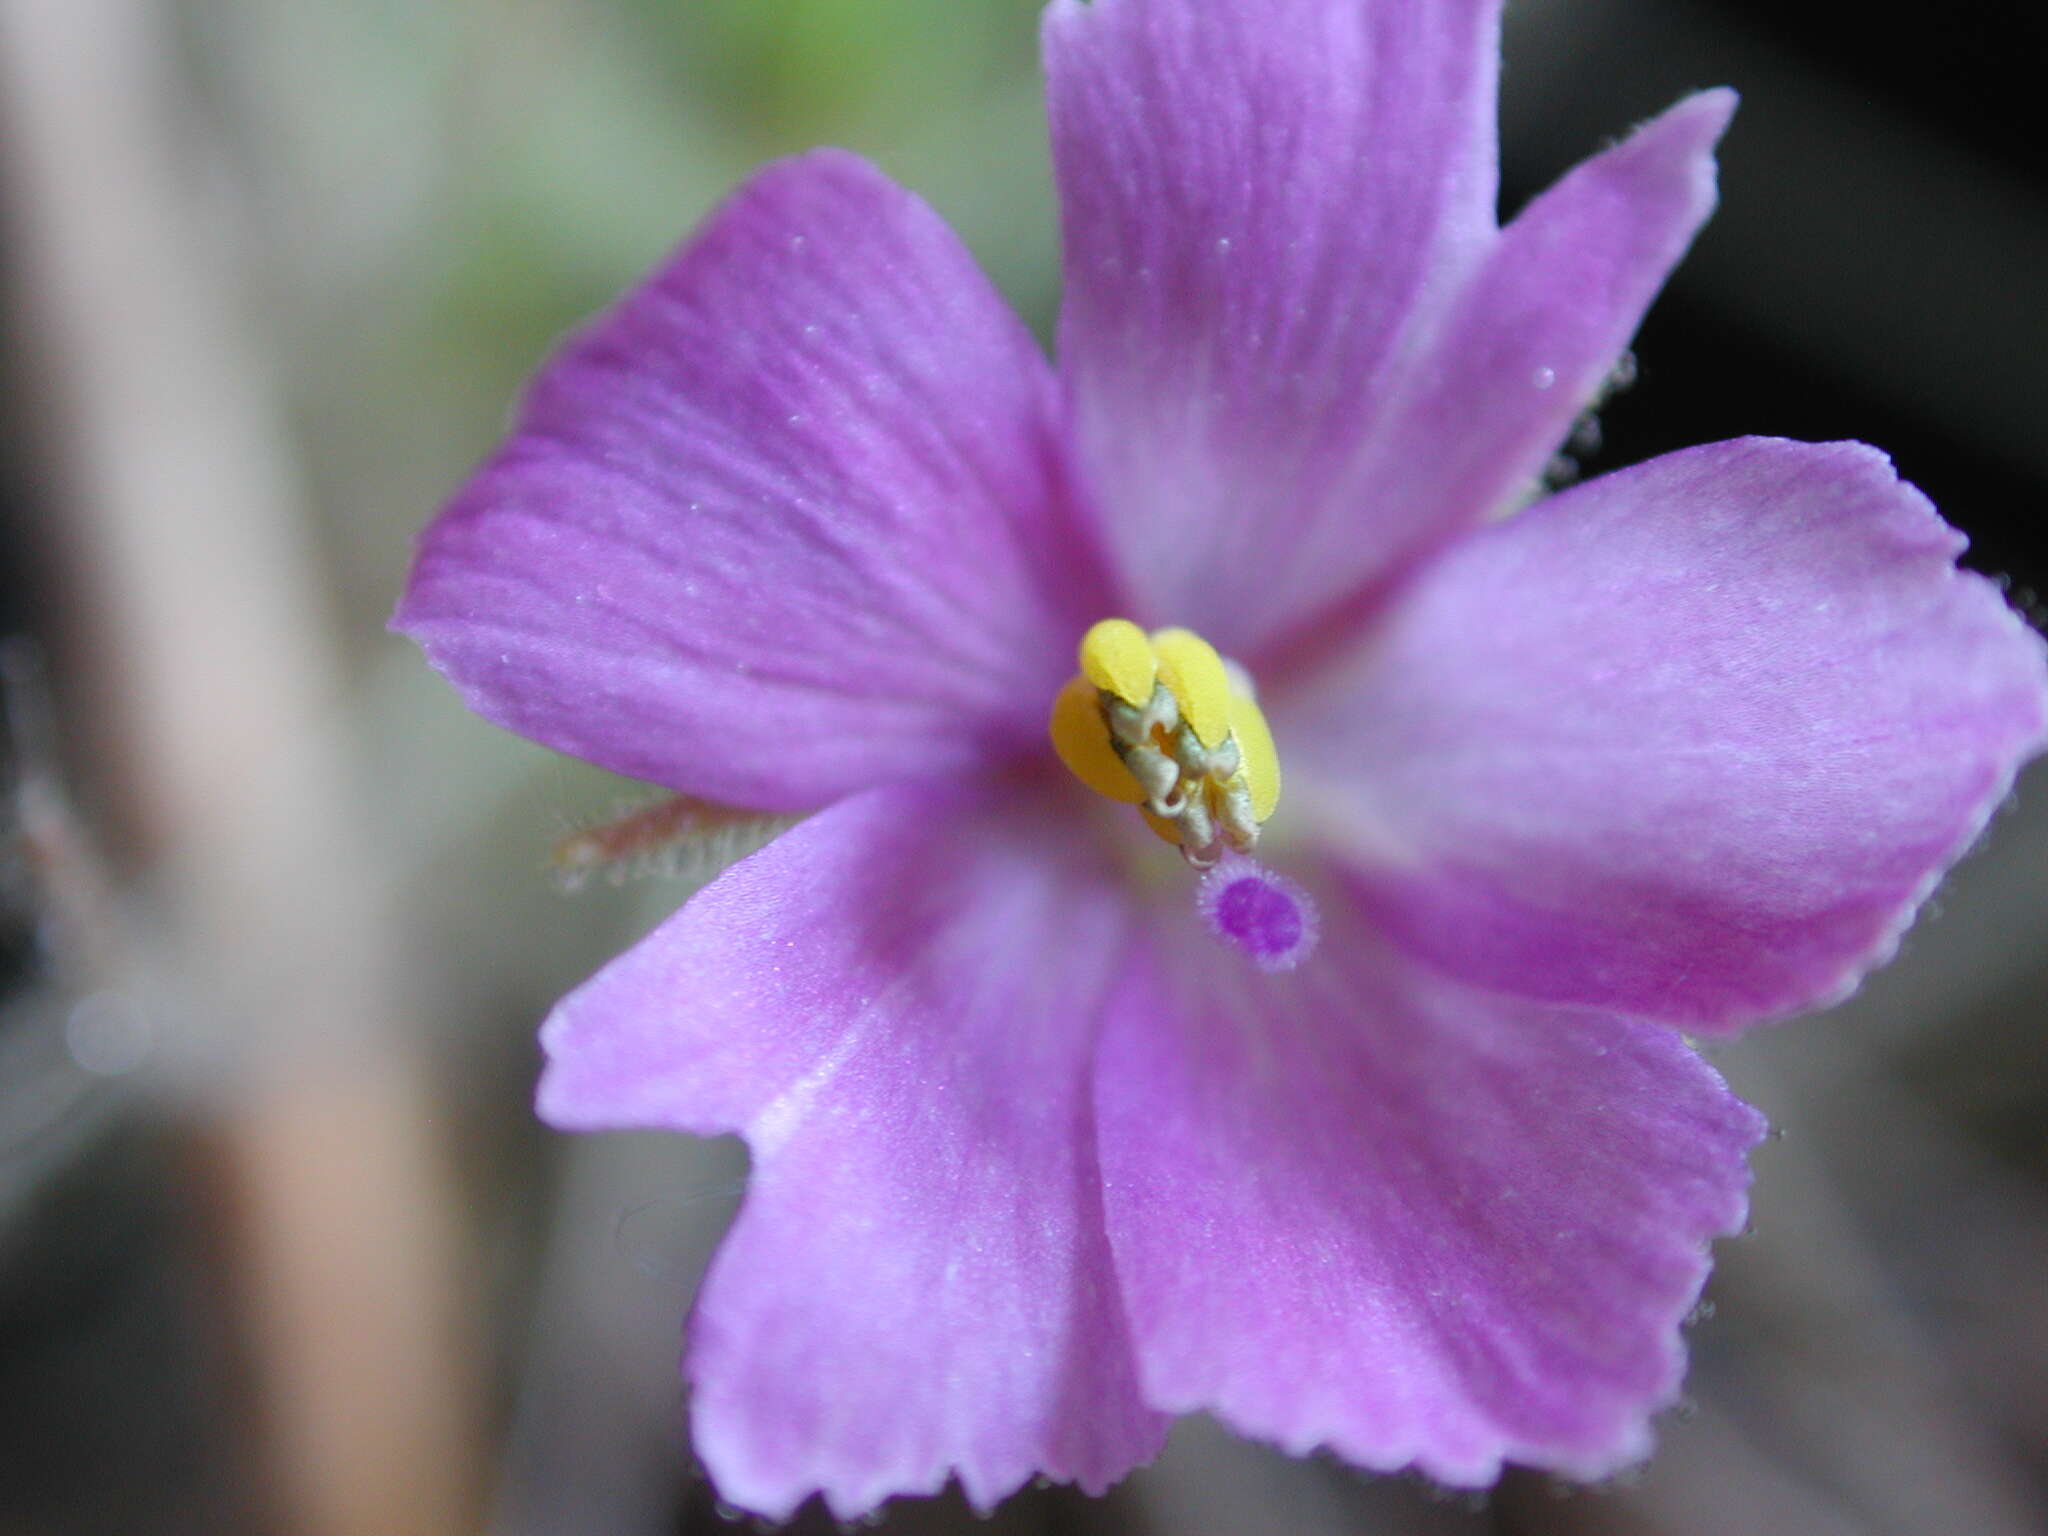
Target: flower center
(1162,722)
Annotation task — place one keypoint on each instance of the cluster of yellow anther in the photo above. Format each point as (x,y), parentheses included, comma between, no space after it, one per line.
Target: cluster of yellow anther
(1162,722)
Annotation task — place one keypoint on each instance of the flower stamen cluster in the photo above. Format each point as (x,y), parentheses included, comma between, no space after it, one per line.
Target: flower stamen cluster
(1161,721)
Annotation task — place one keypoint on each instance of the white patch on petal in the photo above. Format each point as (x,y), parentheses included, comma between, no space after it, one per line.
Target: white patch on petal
(779,1119)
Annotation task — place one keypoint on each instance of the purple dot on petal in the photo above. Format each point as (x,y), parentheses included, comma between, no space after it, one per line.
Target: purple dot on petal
(1270,918)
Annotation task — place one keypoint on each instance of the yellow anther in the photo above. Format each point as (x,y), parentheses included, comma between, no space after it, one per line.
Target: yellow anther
(1117,658)
(1164,723)
(1194,674)
(1261,762)
(1081,737)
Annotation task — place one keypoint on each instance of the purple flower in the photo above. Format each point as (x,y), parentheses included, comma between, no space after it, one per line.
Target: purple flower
(807,524)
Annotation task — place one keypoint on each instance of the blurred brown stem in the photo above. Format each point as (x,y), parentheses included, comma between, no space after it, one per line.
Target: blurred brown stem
(200,630)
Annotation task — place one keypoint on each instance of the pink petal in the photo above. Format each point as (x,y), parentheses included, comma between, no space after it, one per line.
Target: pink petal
(786,522)
(1265,202)
(1534,336)
(1298,346)
(895,1004)
(1693,740)
(1363,1206)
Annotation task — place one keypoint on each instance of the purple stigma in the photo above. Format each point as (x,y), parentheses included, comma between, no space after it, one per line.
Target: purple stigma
(1270,918)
